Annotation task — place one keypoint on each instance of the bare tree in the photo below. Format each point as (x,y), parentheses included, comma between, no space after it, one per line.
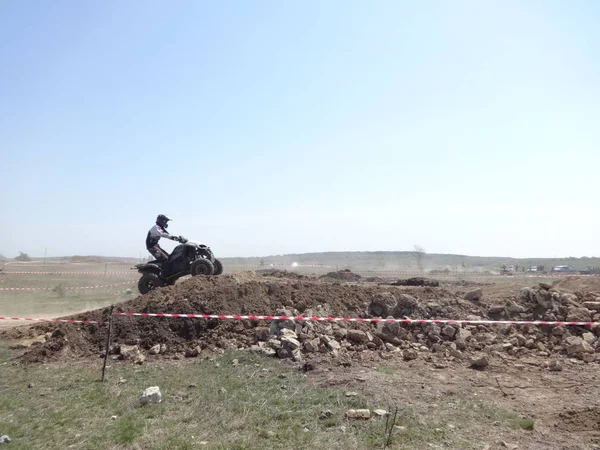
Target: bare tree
(419,255)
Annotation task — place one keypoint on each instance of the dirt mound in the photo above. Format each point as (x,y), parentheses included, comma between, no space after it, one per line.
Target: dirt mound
(573,284)
(276,273)
(584,421)
(342,275)
(252,294)
(417,281)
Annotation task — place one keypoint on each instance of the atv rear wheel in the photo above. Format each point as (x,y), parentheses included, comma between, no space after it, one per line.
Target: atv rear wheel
(218,267)
(202,267)
(149,282)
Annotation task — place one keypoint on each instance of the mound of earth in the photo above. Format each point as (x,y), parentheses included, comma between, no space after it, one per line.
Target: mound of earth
(417,281)
(252,294)
(276,273)
(342,275)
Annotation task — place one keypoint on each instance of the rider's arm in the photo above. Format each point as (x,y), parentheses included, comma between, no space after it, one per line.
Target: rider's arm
(158,231)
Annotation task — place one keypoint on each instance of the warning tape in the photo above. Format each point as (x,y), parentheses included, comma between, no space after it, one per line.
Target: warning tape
(33,319)
(356,319)
(66,287)
(69,273)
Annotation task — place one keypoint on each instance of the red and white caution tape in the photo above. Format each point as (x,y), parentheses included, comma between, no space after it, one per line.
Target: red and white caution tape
(356,319)
(34,319)
(70,273)
(66,287)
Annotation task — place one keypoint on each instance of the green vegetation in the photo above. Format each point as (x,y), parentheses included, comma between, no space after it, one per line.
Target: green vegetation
(256,403)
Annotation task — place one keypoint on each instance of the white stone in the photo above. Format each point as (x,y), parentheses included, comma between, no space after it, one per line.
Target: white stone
(358,414)
(151,395)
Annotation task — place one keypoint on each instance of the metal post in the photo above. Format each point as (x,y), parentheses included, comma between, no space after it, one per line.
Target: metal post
(105,267)
(45,253)
(106,350)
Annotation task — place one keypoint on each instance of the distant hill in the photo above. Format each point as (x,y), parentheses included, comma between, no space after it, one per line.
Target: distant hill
(407,260)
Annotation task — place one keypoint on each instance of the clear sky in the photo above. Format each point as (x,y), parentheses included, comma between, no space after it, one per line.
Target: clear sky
(271,127)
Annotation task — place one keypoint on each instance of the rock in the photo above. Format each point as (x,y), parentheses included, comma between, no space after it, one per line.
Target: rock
(4,439)
(192,352)
(405,305)
(358,336)
(128,351)
(463,334)
(235,362)
(154,350)
(496,309)
(479,361)
(326,414)
(410,354)
(383,304)
(163,349)
(449,331)
(297,355)
(575,345)
(488,338)
(588,357)
(287,333)
(555,366)
(390,347)
(578,315)
(331,343)
(391,332)
(151,396)
(358,414)
(274,343)
(588,337)
(474,296)
(262,334)
(594,306)
(284,353)
(380,412)
(560,330)
(312,345)
(351,394)
(456,354)
(290,342)
(139,358)
(521,340)
(222,391)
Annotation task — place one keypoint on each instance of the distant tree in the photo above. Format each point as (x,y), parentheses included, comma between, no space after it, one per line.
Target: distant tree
(23,257)
(419,255)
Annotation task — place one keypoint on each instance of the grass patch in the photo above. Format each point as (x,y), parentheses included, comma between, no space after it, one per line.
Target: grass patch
(256,403)
(524,423)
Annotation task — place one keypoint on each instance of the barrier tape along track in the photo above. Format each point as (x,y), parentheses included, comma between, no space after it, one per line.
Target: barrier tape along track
(356,319)
(33,319)
(317,319)
(69,288)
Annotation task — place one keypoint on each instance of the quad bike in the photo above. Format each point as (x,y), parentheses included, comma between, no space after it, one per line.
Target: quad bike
(188,258)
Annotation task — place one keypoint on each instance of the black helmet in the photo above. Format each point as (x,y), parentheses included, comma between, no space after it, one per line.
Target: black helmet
(162,220)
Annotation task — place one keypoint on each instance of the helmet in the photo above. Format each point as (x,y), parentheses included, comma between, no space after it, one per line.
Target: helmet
(162,220)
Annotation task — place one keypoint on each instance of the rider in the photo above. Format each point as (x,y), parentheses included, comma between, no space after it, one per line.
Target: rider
(156,232)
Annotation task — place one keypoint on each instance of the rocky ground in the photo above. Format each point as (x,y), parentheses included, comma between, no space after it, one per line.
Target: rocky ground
(285,294)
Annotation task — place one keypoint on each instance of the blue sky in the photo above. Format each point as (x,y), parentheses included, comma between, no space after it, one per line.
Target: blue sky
(272,127)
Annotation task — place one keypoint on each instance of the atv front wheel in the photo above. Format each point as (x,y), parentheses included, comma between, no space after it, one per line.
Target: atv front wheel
(218,267)
(149,282)
(202,267)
